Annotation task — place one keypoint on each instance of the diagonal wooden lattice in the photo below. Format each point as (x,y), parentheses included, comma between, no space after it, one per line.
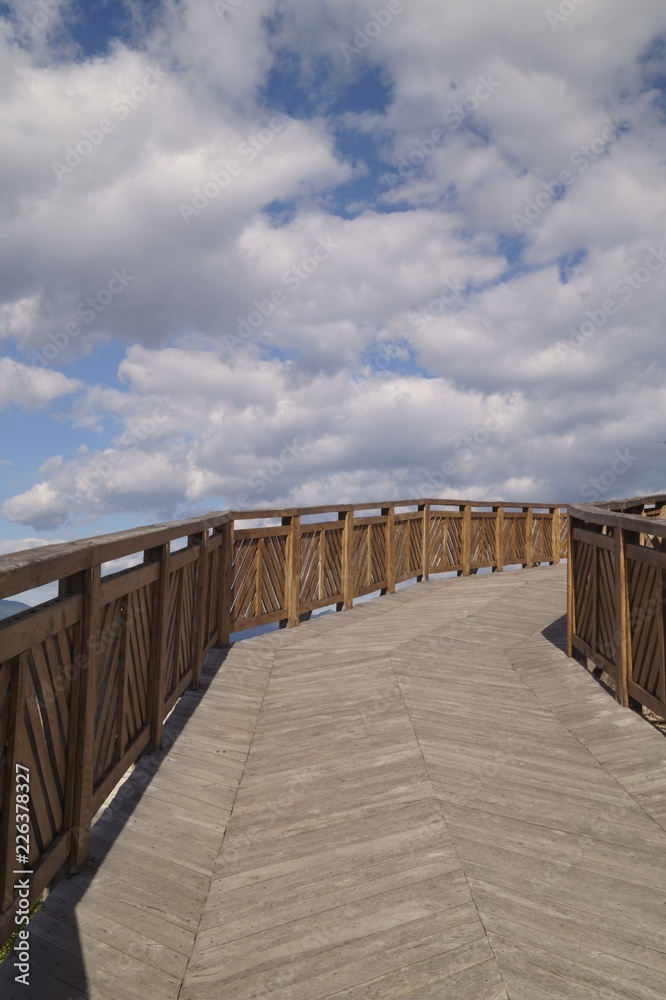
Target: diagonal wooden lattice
(44,731)
(212,595)
(408,547)
(564,536)
(136,663)
(483,540)
(360,557)
(378,554)
(321,565)
(513,539)
(272,558)
(332,576)
(542,539)
(445,543)
(107,685)
(182,591)
(122,677)
(259,575)
(646,618)
(584,573)
(606,641)
(244,586)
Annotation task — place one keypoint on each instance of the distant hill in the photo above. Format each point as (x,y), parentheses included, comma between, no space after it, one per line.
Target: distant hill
(9,608)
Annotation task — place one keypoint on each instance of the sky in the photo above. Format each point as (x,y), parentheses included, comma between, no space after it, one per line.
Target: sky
(276,252)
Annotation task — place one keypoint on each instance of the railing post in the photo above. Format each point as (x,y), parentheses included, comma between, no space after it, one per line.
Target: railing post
(199,637)
(466,538)
(622,604)
(425,554)
(571,596)
(389,513)
(225,582)
(85,702)
(293,582)
(347,561)
(158,652)
(499,539)
(529,537)
(557,535)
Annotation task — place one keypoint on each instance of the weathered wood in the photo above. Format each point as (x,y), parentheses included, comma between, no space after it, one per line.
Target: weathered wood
(425,556)
(466,538)
(157,675)
(499,538)
(529,537)
(85,687)
(630,592)
(33,627)
(20,571)
(293,588)
(557,535)
(348,561)
(200,605)
(622,632)
(225,583)
(571,593)
(389,513)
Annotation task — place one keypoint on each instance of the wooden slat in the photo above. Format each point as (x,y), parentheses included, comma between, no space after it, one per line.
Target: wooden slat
(86,701)
(34,627)
(130,580)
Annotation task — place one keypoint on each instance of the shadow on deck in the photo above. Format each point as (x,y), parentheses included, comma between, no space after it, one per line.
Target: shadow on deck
(422,797)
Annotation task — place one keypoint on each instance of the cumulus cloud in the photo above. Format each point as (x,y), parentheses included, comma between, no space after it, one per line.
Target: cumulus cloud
(341,262)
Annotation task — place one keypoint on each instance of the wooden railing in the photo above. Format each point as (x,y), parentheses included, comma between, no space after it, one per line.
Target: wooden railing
(617,588)
(87,678)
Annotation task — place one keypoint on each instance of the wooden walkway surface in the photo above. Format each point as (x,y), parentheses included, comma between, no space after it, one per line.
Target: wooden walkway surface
(419,798)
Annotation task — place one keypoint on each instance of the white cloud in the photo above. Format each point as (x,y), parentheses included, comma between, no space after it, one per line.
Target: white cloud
(30,387)
(480,317)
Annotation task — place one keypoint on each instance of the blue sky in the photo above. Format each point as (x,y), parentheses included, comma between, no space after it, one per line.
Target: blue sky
(269,252)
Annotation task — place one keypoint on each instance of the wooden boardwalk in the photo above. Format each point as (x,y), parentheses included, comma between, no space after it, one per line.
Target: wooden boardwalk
(419,798)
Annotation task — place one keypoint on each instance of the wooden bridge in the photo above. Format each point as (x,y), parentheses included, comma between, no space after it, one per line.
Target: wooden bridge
(421,797)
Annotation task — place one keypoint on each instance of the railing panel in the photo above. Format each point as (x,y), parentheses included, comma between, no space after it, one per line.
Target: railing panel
(181,625)
(360,553)
(542,538)
(514,536)
(616,595)
(483,540)
(445,541)
(646,622)
(107,690)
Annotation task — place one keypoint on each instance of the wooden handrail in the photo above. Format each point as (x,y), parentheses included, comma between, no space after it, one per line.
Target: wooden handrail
(87,678)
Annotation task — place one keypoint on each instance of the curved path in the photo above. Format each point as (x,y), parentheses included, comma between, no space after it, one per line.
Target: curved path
(419,798)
